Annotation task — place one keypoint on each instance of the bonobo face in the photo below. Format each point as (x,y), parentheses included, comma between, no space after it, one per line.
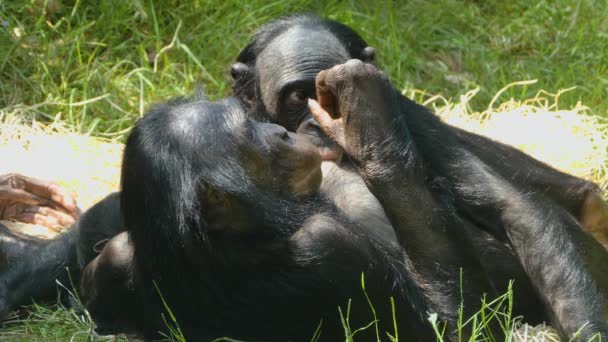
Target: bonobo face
(211,156)
(287,67)
(272,158)
(275,74)
(280,160)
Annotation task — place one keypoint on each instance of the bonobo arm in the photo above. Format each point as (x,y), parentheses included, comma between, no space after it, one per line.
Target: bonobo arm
(34,275)
(367,124)
(563,263)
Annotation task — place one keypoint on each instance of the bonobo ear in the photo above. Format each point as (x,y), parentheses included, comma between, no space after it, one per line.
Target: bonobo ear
(238,69)
(369,54)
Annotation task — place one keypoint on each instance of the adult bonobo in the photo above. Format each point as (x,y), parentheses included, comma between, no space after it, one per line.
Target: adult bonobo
(274,75)
(566,266)
(228,222)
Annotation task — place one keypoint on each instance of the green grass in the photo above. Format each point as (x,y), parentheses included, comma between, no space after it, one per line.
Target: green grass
(98,65)
(93,63)
(61,324)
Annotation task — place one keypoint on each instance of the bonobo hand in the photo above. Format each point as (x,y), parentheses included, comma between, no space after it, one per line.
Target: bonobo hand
(35,201)
(357,107)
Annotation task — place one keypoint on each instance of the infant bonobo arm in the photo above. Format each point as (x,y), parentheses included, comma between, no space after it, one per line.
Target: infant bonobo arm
(362,114)
(107,288)
(562,262)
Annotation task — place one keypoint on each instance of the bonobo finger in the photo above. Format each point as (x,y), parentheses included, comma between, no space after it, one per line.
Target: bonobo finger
(321,116)
(22,196)
(334,128)
(64,219)
(51,191)
(39,219)
(326,96)
(45,216)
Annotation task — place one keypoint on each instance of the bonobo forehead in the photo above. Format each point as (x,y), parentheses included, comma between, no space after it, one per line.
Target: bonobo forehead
(203,122)
(298,54)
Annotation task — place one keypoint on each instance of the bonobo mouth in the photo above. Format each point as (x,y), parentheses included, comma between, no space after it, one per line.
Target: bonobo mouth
(329,150)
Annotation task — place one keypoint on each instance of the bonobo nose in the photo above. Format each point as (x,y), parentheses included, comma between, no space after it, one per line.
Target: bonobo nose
(277,133)
(311,127)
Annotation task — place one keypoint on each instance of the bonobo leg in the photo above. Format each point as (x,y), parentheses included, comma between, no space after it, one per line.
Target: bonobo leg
(35,275)
(107,288)
(580,197)
(565,265)
(367,121)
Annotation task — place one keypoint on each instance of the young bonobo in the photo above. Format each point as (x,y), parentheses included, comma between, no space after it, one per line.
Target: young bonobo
(228,222)
(565,265)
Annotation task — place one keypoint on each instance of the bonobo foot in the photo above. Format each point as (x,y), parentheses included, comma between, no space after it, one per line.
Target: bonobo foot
(594,217)
(357,87)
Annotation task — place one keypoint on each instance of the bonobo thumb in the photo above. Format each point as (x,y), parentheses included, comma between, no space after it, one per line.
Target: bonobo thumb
(334,128)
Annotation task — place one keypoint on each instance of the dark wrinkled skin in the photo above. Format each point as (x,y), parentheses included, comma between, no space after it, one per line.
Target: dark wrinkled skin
(565,265)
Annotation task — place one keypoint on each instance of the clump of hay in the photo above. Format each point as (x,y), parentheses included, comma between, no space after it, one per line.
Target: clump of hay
(87,167)
(522,332)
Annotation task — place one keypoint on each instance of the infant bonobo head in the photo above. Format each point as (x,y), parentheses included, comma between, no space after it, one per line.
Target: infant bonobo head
(275,73)
(209,160)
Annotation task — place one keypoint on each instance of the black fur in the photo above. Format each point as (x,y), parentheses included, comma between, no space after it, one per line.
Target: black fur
(276,277)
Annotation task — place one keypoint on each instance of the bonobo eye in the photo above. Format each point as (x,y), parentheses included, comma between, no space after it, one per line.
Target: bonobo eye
(296,98)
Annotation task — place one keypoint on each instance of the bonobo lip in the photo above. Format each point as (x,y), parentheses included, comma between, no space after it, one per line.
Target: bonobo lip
(328,151)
